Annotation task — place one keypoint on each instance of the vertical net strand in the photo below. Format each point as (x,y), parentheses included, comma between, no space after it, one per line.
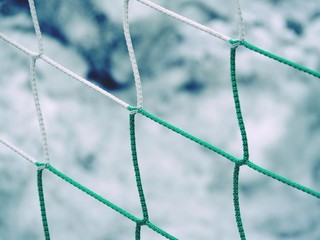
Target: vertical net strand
(138,232)
(237,105)
(36,25)
(236,202)
(42,205)
(131,53)
(38,109)
(136,167)
(240,20)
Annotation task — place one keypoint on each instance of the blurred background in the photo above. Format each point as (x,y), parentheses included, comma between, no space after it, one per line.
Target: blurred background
(185,77)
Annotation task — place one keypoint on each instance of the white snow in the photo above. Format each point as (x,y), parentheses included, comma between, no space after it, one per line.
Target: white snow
(188,189)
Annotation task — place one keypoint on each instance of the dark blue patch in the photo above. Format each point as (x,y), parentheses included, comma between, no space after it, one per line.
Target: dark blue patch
(295,26)
(87,162)
(192,86)
(247,80)
(104,79)
(207,12)
(12,7)
(54,32)
(315,16)
(100,18)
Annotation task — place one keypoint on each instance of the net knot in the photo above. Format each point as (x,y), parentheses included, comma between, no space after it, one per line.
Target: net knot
(242,162)
(42,166)
(236,43)
(133,110)
(142,222)
(36,56)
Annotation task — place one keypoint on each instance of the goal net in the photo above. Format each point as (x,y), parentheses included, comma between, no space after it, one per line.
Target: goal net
(139,113)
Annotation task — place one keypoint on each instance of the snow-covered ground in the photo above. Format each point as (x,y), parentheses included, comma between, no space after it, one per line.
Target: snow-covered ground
(185,77)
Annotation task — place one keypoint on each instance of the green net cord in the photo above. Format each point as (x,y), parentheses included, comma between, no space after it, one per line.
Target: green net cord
(136,166)
(42,205)
(185,134)
(238,162)
(236,100)
(236,202)
(138,232)
(160,231)
(229,156)
(245,147)
(277,58)
(106,202)
(284,180)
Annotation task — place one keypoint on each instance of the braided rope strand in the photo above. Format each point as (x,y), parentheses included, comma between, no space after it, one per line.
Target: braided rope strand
(236,202)
(136,166)
(63,69)
(42,205)
(131,53)
(160,231)
(105,201)
(240,19)
(36,25)
(187,135)
(148,223)
(137,233)
(236,99)
(19,46)
(17,150)
(283,180)
(277,58)
(38,110)
(186,20)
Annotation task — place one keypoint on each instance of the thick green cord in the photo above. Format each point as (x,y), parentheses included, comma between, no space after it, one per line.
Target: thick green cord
(236,203)
(42,205)
(123,212)
(136,166)
(237,104)
(238,162)
(185,134)
(138,232)
(92,194)
(277,58)
(283,180)
(160,231)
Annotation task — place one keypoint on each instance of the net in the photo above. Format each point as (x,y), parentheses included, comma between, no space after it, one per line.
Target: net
(146,220)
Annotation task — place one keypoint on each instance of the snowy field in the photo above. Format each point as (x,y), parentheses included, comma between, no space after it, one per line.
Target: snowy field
(185,78)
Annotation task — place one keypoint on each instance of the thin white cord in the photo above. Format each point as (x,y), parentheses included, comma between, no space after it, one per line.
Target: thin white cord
(36,25)
(41,55)
(18,151)
(17,45)
(38,109)
(186,20)
(240,18)
(84,81)
(63,69)
(133,60)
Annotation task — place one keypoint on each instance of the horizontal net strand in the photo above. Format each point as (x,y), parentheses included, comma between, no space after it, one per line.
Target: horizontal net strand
(105,201)
(186,20)
(277,58)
